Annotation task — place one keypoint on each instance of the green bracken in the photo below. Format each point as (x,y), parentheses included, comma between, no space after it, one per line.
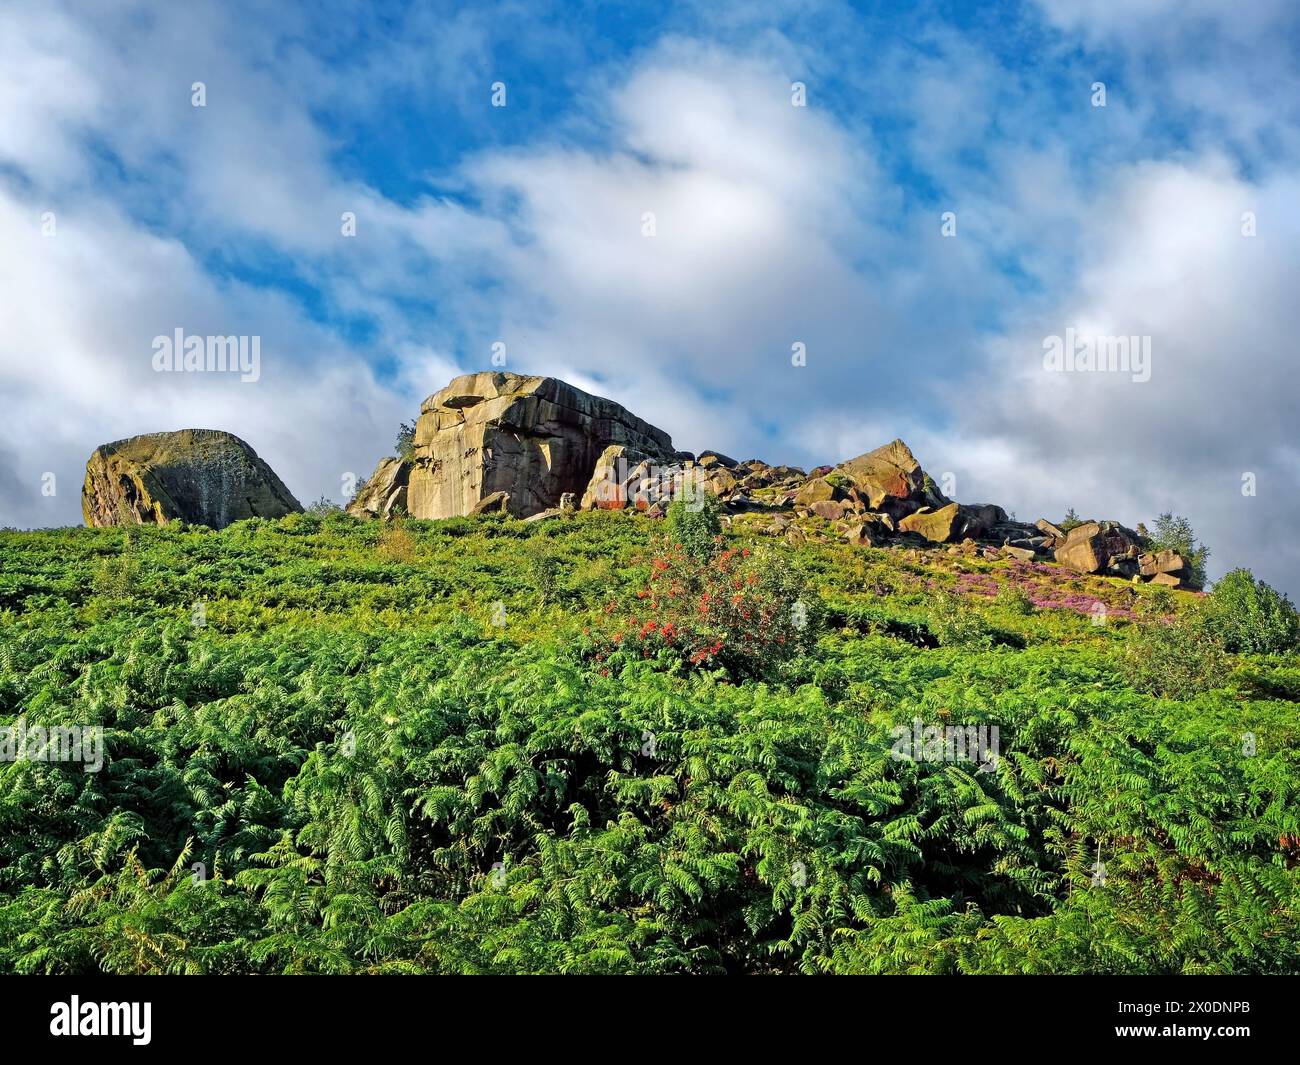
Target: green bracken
(333,746)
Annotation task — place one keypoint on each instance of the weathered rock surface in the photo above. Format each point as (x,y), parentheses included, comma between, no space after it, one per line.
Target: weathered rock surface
(1096,546)
(1164,562)
(940,526)
(200,476)
(534,438)
(384,494)
(983,518)
(817,490)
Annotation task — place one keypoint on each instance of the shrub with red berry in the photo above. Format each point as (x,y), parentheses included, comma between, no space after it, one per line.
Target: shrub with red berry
(740,611)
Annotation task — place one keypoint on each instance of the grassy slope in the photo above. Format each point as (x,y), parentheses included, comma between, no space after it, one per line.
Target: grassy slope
(378,777)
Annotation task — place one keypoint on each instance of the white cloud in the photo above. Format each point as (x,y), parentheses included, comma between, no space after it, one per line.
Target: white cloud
(1167,259)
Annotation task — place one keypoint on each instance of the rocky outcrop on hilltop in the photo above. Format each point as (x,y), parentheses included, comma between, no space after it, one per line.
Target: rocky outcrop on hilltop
(536,447)
(200,476)
(534,439)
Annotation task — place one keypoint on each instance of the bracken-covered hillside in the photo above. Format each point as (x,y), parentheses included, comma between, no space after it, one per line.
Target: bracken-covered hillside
(603,743)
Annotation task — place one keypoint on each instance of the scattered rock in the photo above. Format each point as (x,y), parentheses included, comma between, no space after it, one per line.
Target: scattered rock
(1090,547)
(828,509)
(982,518)
(864,534)
(1164,562)
(721,481)
(817,490)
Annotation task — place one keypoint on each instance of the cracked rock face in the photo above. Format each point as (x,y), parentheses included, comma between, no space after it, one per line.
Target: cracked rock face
(200,476)
(533,438)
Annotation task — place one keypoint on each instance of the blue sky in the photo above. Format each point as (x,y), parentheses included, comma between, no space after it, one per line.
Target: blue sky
(774,225)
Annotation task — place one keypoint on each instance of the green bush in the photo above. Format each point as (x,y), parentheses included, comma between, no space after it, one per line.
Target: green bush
(1014,598)
(1250,616)
(740,611)
(954,624)
(404,445)
(1177,658)
(695,526)
(544,570)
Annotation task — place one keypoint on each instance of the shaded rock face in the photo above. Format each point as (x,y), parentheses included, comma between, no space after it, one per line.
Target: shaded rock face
(384,493)
(201,476)
(532,438)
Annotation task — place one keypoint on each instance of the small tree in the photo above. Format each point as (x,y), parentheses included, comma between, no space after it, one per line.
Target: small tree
(695,526)
(405,444)
(324,506)
(1174,533)
(1250,616)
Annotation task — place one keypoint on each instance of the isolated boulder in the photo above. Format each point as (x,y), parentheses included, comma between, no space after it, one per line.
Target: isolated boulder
(829,509)
(534,438)
(1096,546)
(384,493)
(200,476)
(1164,562)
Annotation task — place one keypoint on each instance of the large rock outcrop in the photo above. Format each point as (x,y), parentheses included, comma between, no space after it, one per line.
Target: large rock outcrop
(201,476)
(533,438)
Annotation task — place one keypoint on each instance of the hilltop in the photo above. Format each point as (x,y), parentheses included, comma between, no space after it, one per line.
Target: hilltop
(537,447)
